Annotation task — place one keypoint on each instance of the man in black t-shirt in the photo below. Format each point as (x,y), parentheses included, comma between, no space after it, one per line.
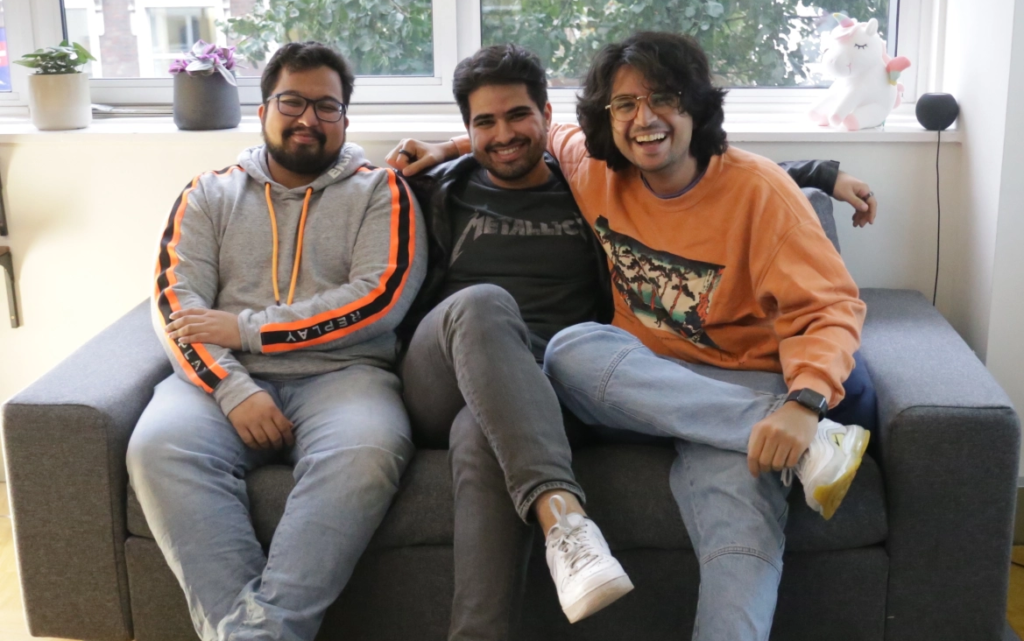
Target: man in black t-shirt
(511,262)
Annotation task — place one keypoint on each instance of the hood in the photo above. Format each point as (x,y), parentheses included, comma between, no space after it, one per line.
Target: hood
(350,158)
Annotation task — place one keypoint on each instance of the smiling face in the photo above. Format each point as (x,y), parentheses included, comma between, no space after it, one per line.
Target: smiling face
(508,132)
(658,144)
(302,147)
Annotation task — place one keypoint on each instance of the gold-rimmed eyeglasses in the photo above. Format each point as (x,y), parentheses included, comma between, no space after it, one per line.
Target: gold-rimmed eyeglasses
(294,105)
(623,108)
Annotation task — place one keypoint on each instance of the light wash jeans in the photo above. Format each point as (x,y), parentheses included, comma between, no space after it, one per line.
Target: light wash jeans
(607,377)
(187,466)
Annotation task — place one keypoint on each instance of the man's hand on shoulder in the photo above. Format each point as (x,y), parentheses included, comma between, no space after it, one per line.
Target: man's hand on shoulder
(261,424)
(205,326)
(778,441)
(856,192)
(411,157)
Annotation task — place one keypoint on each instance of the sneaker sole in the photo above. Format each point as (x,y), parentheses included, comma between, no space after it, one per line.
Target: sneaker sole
(830,496)
(599,598)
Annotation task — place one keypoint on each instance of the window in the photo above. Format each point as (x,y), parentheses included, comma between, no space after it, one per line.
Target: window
(139,38)
(82,19)
(404,51)
(750,43)
(378,37)
(5,61)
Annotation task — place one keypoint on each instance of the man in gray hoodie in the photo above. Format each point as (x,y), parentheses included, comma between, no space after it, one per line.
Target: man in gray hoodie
(278,286)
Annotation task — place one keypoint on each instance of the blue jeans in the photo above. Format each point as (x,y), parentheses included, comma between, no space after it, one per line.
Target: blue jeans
(187,466)
(607,377)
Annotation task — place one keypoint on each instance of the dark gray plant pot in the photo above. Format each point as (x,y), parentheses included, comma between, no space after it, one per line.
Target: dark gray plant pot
(205,102)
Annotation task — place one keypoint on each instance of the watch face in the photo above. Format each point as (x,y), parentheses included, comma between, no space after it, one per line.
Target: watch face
(811,400)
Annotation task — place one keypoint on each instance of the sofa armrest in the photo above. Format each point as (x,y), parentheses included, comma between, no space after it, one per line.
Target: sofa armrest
(65,438)
(948,445)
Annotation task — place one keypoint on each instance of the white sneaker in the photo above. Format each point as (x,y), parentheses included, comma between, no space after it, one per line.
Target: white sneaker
(828,466)
(586,575)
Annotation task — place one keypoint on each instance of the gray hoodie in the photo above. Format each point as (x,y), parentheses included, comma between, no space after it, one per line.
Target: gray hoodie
(362,257)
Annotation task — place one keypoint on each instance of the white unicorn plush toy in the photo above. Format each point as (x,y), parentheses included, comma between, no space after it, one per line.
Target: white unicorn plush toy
(865,88)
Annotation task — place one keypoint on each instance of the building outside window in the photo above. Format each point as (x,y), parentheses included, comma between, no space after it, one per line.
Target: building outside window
(5,61)
(139,38)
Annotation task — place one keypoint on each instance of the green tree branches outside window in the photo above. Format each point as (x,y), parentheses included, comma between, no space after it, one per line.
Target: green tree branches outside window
(767,43)
(378,37)
(748,42)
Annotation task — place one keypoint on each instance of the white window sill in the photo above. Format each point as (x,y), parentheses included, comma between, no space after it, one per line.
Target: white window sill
(376,128)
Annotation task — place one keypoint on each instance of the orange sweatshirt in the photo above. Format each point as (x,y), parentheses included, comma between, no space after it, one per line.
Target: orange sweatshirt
(735,273)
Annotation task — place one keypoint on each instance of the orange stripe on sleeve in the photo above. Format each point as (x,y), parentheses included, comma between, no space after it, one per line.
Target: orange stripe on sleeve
(400,215)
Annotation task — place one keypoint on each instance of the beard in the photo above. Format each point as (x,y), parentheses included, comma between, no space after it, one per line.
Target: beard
(305,160)
(514,171)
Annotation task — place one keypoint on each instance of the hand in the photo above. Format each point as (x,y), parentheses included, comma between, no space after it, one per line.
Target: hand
(261,424)
(778,441)
(856,192)
(411,157)
(205,326)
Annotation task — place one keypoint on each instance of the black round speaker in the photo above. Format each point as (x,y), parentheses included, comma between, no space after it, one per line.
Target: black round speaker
(936,111)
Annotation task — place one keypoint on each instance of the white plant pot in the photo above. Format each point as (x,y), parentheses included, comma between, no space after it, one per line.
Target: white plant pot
(59,101)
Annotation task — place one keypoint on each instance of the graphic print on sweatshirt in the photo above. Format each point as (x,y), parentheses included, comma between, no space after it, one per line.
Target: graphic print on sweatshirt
(486,222)
(666,292)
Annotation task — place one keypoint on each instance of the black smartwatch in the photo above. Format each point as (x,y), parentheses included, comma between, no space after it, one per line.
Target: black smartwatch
(811,400)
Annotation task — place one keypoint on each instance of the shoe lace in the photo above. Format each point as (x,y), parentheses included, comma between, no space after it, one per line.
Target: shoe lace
(788,473)
(820,443)
(572,541)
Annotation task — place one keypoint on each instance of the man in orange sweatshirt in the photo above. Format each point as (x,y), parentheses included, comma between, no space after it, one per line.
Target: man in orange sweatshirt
(720,264)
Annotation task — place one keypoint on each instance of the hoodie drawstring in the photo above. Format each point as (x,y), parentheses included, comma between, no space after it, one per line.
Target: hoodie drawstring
(298,245)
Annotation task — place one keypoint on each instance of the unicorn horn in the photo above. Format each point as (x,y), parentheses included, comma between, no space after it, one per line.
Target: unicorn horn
(844,20)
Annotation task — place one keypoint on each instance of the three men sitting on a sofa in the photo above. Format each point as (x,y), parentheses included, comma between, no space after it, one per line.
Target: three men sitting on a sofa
(471,364)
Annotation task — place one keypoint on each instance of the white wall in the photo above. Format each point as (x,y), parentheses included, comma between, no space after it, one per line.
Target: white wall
(85,216)
(1006,328)
(977,64)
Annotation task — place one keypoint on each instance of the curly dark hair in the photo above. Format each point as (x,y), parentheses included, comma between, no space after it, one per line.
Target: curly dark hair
(669,62)
(506,64)
(303,56)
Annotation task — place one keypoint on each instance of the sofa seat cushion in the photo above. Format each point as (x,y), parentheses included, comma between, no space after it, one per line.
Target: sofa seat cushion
(628,495)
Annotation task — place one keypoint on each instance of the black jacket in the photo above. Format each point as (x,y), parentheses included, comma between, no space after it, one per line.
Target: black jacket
(433,189)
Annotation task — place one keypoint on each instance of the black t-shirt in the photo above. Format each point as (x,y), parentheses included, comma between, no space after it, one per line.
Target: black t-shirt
(533,243)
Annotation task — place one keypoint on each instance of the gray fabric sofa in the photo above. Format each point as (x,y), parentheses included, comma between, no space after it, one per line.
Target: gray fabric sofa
(919,550)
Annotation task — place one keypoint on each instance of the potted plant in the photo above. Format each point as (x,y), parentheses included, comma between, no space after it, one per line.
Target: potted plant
(58,92)
(205,91)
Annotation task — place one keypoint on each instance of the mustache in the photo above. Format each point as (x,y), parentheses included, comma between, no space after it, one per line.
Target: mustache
(512,143)
(319,135)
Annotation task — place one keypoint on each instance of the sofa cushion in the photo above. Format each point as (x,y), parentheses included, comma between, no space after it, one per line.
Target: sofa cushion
(628,495)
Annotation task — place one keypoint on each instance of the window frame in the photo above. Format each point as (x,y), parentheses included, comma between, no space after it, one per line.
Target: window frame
(457,34)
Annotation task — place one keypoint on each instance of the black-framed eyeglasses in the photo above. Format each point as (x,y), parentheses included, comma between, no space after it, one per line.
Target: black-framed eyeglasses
(294,105)
(624,108)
